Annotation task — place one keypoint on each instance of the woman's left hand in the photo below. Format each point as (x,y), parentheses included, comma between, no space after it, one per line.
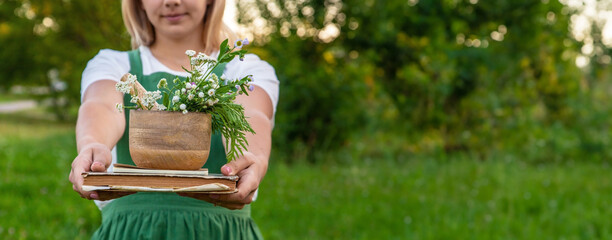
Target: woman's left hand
(251,169)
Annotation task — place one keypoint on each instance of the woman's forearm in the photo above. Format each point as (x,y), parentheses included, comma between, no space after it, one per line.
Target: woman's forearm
(98,123)
(259,113)
(260,143)
(98,120)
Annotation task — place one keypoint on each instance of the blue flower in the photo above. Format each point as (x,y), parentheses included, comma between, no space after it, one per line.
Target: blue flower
(238,44)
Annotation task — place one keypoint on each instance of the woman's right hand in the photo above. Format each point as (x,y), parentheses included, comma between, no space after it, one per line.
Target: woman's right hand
(95,157)
(99,126)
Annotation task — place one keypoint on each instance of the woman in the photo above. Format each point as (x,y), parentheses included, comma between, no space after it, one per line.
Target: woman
(162,30)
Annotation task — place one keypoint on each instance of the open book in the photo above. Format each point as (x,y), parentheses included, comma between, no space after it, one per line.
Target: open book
(116,184)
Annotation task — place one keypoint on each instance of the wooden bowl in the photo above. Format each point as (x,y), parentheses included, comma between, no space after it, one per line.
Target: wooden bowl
(169,140)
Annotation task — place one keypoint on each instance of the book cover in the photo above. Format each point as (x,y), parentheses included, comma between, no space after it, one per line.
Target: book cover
(111,185)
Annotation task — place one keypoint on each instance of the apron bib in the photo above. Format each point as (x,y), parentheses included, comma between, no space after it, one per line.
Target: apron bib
(148,215)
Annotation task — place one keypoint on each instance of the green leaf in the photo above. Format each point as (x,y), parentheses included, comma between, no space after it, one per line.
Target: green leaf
(222,49)
(166,100)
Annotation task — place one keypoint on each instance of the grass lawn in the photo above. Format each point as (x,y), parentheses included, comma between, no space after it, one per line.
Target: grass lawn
(37,200)
(429,199)
(454,198)
(5,97)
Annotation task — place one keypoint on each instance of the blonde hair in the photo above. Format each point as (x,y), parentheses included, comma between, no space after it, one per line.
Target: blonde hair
(143,33)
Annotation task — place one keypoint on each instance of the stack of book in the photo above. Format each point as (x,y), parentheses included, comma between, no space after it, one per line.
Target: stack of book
(127,179)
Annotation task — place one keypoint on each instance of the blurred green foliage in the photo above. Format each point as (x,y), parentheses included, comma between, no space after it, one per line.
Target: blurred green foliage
(38,36)
(421,76)
(476,76)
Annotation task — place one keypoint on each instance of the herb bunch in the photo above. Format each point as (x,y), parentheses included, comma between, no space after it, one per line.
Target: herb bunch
(202,91)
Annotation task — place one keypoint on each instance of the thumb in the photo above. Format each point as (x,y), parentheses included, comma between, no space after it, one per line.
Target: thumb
(233,167)
(101,159)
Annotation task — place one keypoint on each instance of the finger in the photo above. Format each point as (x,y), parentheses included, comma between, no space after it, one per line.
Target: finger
(205,197)
(235,198)
(238,165)
(101,159)
(247,184)
(81,164)
(237,205)
(217,202)
(228,205)
(199,196)
(231,206)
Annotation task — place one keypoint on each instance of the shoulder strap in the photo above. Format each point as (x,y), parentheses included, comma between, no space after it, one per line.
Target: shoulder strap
(135,63)
(123,151)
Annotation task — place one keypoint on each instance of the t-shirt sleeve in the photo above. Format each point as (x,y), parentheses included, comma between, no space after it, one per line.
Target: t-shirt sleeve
(263,74)
(106,65)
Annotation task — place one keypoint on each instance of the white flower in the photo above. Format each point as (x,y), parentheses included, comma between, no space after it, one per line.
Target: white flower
(150,98)
(134,99)
(184,111)
(131,79)
(202,68)
(183,90)
(161,107)
(190,96)
(201,94)
(175,99)
(183,106)
(205,58)
(162,83)
(223,77)
(124,87)
(119,107)
(210,102)
(188,86)
(211,92)
(190,53)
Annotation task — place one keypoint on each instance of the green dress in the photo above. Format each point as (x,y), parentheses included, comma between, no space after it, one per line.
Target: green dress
(168,215)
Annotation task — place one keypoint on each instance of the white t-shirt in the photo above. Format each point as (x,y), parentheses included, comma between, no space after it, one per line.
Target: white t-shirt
(112,65)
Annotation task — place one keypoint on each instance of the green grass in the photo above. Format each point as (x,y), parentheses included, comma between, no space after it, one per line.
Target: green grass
(433,199)
(362,198)
(37,200)
(6,97)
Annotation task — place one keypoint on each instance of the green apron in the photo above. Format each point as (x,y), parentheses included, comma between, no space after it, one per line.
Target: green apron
(168,215)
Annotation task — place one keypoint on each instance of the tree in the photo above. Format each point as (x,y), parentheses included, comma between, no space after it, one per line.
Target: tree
(449,65)
(39,36)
